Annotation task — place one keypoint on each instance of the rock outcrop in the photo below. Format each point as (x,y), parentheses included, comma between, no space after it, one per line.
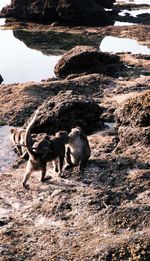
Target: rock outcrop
(85,12)
(66,110)
(133,119)
(135,111)
(85,59)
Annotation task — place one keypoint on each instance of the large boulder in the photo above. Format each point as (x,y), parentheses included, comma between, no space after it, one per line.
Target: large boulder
(135,111)
(133,120)
(86,59)
(66,110)
(86,12)
(31,10)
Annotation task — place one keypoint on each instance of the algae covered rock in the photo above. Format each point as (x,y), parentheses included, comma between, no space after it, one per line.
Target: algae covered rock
(85,12)
(86,59)
(66,110)
(135,111)
(133,119)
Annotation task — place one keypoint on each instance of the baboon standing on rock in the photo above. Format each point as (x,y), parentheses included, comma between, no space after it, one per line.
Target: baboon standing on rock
(47,149)
(78,150)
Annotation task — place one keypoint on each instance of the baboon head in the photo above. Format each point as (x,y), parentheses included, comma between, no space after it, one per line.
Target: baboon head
(63,135)
(75,132)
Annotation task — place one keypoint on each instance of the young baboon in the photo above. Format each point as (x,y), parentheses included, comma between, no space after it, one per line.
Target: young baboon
(17,136)
(78,149)
(47,149)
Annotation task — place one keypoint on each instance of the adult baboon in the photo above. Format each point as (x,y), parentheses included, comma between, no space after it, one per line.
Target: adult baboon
(50,148)
(77,150)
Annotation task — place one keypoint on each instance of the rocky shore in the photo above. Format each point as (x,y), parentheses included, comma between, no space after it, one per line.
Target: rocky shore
(104,212)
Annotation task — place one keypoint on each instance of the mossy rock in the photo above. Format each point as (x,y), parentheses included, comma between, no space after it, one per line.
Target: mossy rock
(67,110)
(135,111)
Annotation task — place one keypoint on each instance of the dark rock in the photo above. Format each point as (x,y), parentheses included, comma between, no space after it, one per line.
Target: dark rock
(31,10)
(135,111)
(67,110)
(86,12)
(133,119)
(1,79)
(85,59)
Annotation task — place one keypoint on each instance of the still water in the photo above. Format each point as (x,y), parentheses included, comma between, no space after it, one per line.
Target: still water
(18,63)
(135,13)
(134,1)
(119,45)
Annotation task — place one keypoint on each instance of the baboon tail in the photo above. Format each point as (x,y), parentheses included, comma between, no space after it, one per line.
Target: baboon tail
(28,134)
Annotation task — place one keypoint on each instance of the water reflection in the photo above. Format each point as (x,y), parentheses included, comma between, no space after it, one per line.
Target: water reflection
(117,45)
(20,63)
(135,13)
(34,55)
(51,42)
(147,2)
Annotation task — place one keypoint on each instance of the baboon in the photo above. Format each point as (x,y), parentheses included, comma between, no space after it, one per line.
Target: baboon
(17,136)
(50,148)
(78,149)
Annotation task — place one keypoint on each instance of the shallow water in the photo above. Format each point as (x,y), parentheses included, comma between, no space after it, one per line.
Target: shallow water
(118,23)
(22,64)
(119,45)
(7,155)
(19,63)
(134,13)
(147,2)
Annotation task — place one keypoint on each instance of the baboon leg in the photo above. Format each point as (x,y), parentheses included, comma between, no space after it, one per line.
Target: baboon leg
(82,164)
(55,164)
(43,173)
(25,180)
(60,165)
(69,166)
(68,162)
(68,156)
(28,173)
